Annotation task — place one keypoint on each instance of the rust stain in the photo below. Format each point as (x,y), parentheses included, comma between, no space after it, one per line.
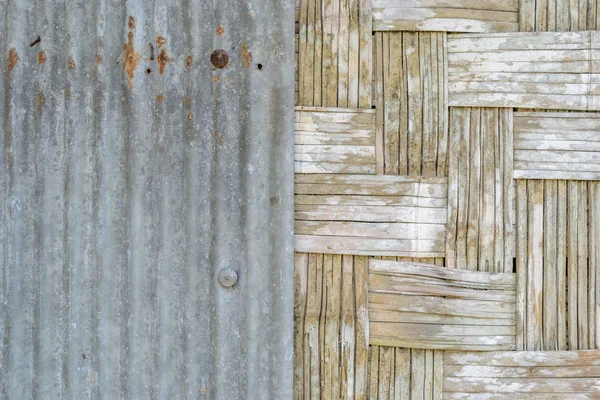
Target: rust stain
(98,60)
(246,55)
(71,63)
(41,100)
(131,22)
(220,30)
(160,98)
(13,58)
(190,117)
(132,58)
(41,57)
(163,58)
(188,62)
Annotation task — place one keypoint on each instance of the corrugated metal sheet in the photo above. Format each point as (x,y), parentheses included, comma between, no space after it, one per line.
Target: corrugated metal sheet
(132,172)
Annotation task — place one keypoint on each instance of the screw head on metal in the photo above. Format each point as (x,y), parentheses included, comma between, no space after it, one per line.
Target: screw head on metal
(227,277)
(219,58)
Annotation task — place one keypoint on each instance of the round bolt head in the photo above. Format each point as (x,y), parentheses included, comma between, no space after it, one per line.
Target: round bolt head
(219,58)
(227,277)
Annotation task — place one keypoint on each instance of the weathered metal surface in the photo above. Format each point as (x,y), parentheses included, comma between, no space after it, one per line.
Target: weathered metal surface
(131,173)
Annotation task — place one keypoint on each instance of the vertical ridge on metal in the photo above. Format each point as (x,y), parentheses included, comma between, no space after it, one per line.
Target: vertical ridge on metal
(146,194)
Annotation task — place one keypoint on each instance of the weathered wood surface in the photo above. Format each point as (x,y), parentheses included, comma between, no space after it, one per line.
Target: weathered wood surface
(370,215)
(560,375)
(557,146)
(334,140)
(480,231)
(429,307)
(411,100)
(559,15)
(400,373)
(533,70)
(557,265)
(330,327)
(446,15)
(335,53)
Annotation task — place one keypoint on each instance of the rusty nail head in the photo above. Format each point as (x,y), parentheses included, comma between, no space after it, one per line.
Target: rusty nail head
(227,277)
(219,58)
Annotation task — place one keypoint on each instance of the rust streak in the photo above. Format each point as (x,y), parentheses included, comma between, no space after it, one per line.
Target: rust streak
(220,30)
(246,55)
(13,58)
(132,58)
(163,58)
(131,22)
(41,100)
(71,63)
(188,62)
(41,57)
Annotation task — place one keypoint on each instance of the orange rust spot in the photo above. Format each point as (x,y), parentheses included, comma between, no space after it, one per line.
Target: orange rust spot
(190,117)
(131,22)
(220,30)
(71,63)
(41,57)
(188,62)
(162,59)
(13,58)
(132,58)
(185,100)
(98,60)
(160,98)
(41,100)
(246,55)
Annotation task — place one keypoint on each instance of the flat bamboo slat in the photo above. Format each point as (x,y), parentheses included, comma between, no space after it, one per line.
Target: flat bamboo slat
(558,15)
(335,53)
(446,16)
(562,375)
(533,70)
(370,215)
(401,373)
(557,145)
(411,101)
(330,326)
(429,307)
(334,140)
(557,265)
(480,229)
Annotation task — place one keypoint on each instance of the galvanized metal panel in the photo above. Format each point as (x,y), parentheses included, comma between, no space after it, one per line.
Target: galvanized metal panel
(124,191)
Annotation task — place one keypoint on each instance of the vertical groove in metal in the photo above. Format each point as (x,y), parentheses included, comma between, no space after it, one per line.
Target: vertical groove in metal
(123,196)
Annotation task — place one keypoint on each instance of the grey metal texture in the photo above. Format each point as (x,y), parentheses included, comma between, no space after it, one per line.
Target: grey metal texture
(131,173)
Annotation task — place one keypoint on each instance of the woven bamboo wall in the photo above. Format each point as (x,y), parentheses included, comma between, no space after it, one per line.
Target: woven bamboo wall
(449,247)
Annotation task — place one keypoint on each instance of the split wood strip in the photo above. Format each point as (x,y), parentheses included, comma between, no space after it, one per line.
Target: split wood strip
(563,375)
(446,15)
(480,230)
(335,53)
(412,102)
(559,15)
(429,307)
(330,326)
(334,140)
(557,146)
(401,373)
(531,70)
(557,265)
(370,215)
